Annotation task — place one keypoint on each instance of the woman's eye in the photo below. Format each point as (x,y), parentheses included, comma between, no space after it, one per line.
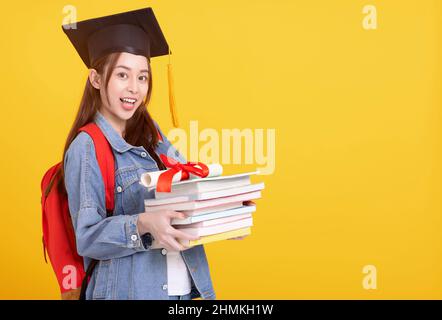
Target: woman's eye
(142,78)
(122,75)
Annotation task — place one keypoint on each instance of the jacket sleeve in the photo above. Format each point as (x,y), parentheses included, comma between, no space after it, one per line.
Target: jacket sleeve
(97,236)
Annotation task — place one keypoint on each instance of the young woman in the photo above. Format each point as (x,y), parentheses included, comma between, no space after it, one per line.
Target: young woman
(117,50)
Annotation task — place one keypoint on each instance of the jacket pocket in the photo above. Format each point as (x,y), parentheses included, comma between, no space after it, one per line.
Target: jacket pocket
(131,193)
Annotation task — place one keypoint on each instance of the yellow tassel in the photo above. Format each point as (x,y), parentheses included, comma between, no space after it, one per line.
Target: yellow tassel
(172,102)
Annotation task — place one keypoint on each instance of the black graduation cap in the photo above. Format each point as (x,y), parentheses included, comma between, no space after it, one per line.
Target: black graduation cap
(136,32)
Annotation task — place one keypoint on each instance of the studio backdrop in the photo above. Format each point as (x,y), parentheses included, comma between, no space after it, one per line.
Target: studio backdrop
(337,103)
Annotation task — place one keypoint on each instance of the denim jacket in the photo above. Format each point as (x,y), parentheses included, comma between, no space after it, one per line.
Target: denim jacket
(126,269)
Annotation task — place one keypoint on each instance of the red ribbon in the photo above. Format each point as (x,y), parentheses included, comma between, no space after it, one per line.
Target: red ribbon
(165,179)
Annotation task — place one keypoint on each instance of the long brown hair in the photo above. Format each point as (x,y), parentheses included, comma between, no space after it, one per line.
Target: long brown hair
(140,129)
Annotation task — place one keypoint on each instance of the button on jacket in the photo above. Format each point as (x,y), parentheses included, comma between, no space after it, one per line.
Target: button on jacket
(126,269)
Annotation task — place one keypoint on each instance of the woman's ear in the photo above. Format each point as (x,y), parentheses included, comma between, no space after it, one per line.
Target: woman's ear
(94,78)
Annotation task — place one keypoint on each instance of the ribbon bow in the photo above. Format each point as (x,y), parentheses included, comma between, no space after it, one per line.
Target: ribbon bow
(165,179)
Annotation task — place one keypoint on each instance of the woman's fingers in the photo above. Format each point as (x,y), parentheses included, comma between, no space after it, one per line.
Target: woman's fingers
(175,245)
(182,235)
(177,215)
(172,236)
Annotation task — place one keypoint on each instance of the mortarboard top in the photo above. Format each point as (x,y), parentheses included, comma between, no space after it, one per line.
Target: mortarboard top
(136,32)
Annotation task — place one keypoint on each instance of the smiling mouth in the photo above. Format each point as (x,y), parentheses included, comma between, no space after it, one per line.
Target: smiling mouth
(128,100)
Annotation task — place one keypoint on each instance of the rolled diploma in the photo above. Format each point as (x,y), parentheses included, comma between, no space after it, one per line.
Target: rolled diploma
(150,179)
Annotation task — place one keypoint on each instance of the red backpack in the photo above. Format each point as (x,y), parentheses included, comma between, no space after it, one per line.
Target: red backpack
(58,233)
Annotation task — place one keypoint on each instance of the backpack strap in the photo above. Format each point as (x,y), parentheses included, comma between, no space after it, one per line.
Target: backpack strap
(106,161)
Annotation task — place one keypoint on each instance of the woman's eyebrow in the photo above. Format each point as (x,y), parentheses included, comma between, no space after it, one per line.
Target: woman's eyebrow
(127,68)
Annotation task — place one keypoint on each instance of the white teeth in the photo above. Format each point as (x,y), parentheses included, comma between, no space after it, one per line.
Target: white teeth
(128,100)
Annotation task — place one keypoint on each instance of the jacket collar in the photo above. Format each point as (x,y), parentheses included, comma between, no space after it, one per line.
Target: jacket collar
(115,140)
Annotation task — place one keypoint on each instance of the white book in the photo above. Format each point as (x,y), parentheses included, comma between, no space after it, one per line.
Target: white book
(247,209)
(198,204)
(221,207)
(231,176)
(213,222)
(205,184)
(219,228)
(199,211)
(206,195)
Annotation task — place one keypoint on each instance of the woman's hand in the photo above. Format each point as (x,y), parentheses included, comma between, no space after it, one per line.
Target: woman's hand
(158,224)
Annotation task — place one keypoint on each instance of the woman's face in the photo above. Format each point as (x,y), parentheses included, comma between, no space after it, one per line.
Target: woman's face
(127,88)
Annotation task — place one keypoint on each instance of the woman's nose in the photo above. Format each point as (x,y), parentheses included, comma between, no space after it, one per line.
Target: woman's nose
(133,88)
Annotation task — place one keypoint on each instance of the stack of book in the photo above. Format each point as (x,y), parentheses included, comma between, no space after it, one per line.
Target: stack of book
(217,208)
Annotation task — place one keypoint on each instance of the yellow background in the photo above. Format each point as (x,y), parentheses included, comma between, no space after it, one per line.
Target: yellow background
(358,126)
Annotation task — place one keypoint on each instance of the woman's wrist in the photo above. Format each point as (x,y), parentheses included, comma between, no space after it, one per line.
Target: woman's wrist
(143,223)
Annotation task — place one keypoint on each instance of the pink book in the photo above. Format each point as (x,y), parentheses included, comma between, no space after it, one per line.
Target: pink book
(219,228)
(212,209)
(247,207)
(206,195)
(198,204)
(214,222)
